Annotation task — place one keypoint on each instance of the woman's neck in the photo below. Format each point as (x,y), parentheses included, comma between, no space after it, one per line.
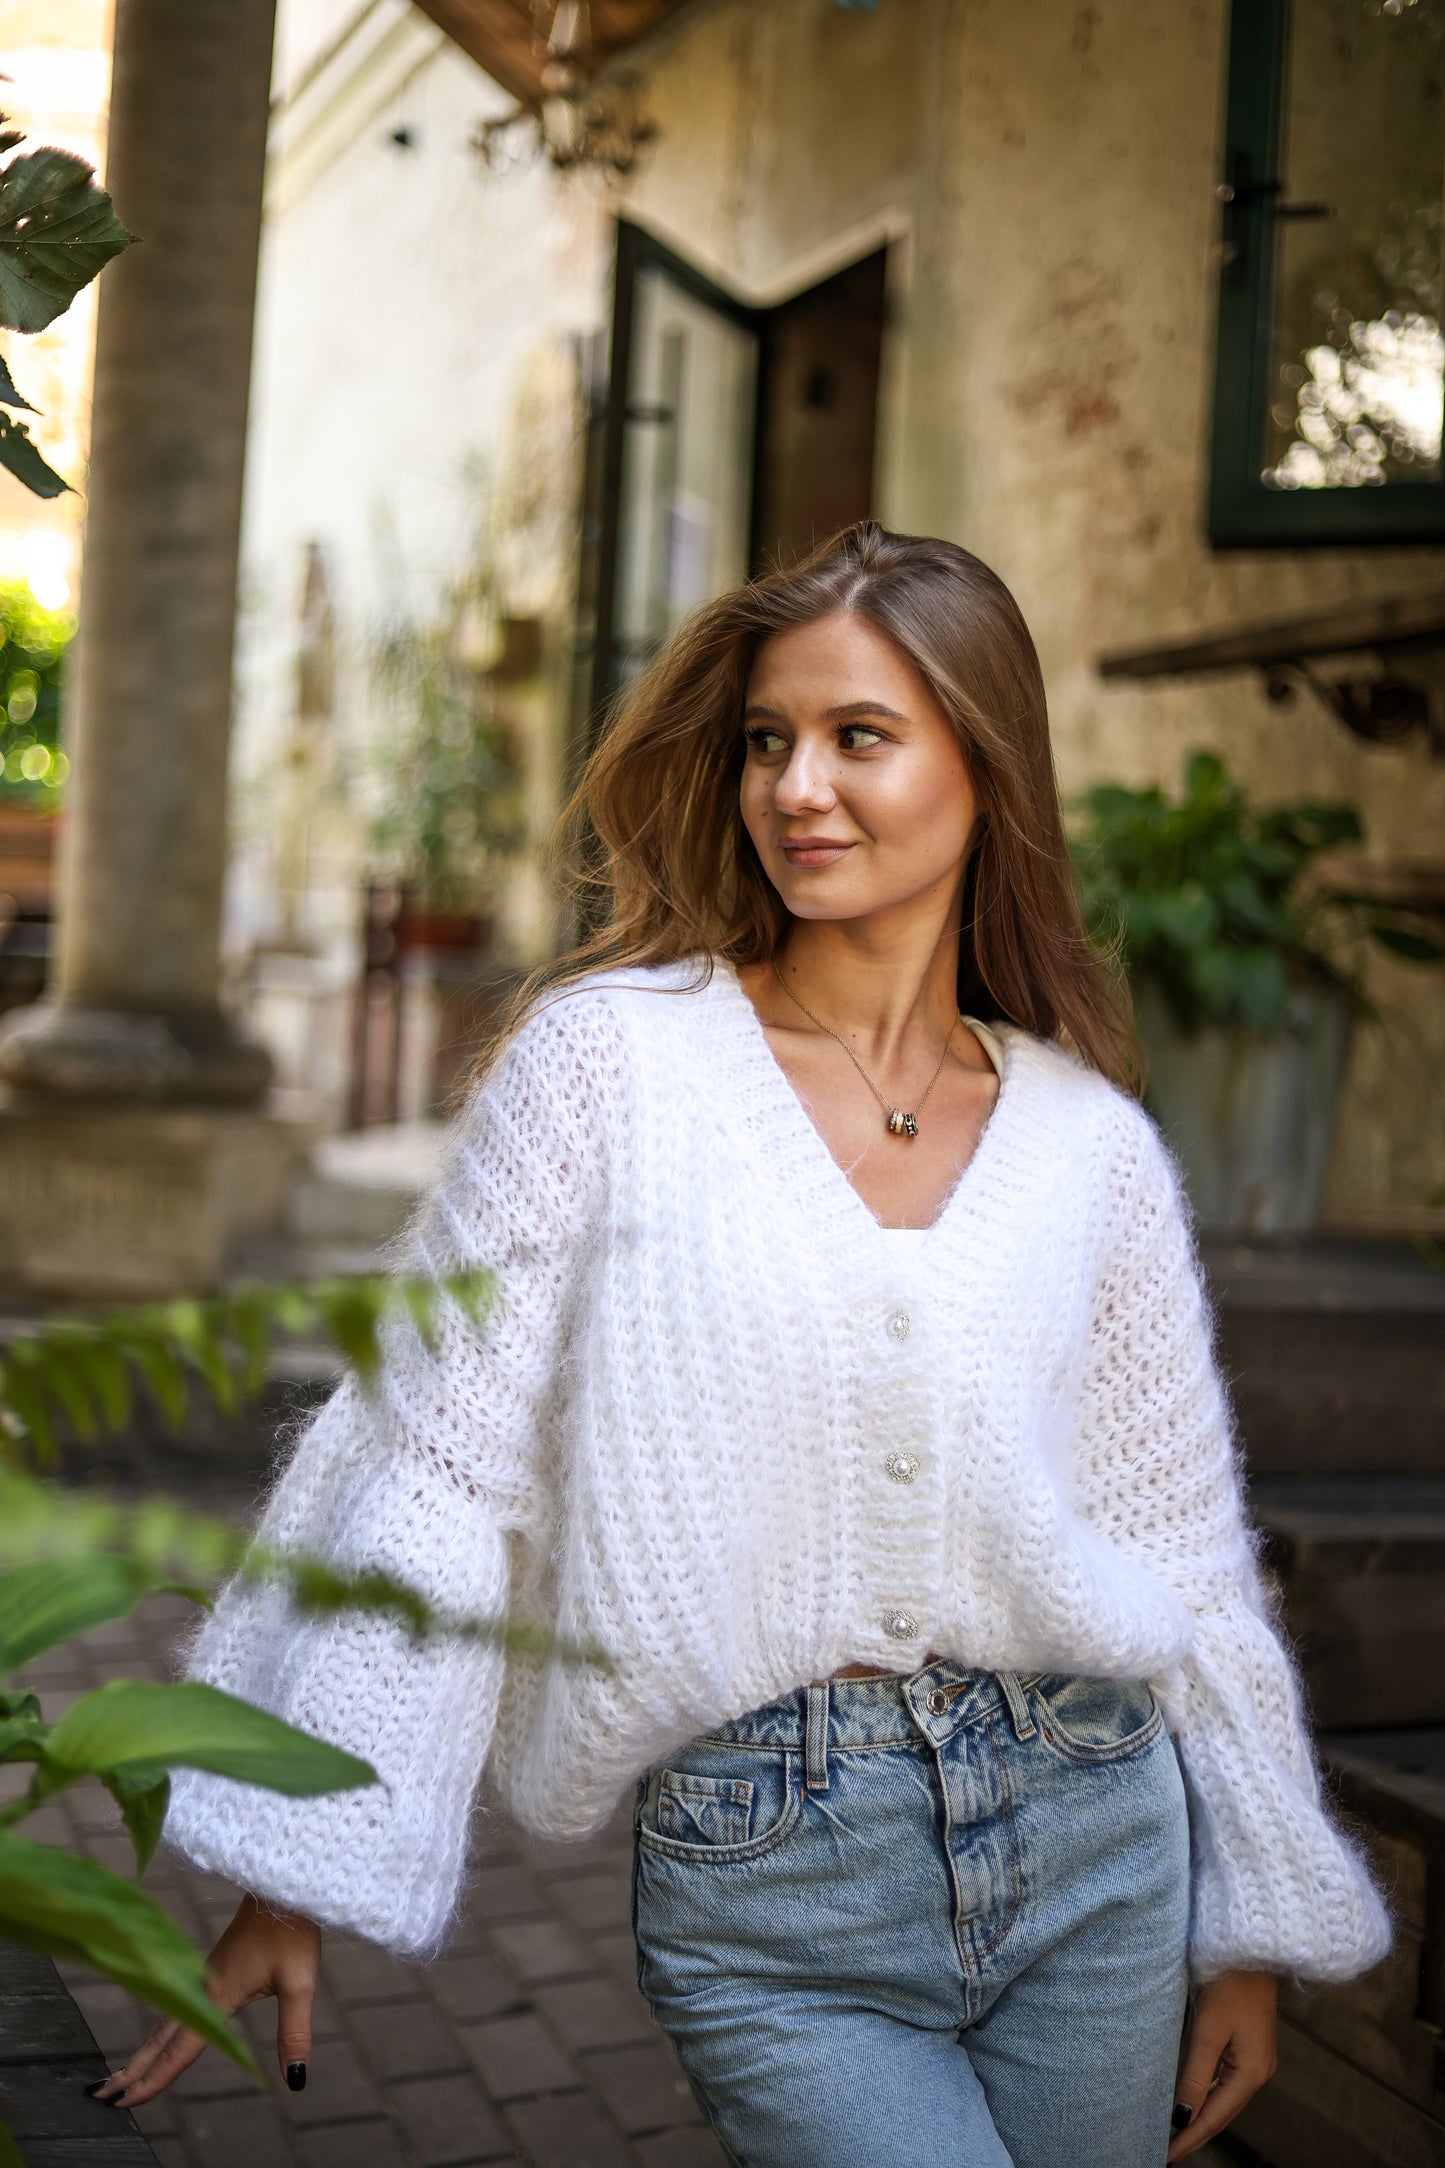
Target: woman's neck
(882,987)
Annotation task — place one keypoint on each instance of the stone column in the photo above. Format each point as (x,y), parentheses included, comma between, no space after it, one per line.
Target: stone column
(133,1155)
(133,1011)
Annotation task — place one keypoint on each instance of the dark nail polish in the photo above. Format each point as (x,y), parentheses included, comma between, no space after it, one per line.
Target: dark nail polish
(296,2077)
(1182,2117)
(90,2091)
(117,2100)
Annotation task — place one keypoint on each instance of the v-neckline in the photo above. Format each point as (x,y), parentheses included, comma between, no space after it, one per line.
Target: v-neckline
(781,1087)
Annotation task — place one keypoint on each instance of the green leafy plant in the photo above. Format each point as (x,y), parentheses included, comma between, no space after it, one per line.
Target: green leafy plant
(84,1370)
(33,642)
(448,774)
(1217,904)
(58,229)
(128,1736)
(72,1560)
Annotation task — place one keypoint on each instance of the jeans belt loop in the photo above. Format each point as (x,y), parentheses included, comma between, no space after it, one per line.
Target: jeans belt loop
(815,1771)
(1018,1708)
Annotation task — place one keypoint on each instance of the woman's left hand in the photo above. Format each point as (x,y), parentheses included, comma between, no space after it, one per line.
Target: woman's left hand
(1229,2052)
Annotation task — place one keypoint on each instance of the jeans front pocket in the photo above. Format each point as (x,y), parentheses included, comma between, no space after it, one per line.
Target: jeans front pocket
(703,1806)
(1096,1720)
(704,1810)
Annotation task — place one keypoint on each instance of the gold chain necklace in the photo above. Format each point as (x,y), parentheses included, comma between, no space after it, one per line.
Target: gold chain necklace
(900,1122)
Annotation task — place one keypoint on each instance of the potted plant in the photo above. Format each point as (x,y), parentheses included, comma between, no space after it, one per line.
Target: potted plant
(1246,965)
(447,776)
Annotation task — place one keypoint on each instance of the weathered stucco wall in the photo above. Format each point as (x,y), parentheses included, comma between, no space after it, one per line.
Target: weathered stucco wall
(1049,389)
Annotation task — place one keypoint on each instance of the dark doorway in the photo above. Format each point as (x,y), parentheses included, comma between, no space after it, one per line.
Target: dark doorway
(727,439)
(818,411)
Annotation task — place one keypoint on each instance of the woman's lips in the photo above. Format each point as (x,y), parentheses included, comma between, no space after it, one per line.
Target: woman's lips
(812,851)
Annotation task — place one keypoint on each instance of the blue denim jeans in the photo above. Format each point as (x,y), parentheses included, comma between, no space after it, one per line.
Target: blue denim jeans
(926,1922)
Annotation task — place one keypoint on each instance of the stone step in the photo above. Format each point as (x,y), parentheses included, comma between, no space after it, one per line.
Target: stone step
(1362,1569)
(1361,2079)
(48,2056)
(360,1189)
(1335,1354)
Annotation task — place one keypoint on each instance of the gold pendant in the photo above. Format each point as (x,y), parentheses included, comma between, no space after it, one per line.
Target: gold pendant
(901,1124)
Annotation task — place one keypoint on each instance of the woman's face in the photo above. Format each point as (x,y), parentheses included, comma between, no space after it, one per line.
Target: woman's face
(855,790)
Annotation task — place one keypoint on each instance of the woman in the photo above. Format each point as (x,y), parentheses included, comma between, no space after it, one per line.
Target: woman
(851,1385)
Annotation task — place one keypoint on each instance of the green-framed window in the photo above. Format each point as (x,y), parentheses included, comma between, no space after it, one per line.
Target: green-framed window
(1330,361)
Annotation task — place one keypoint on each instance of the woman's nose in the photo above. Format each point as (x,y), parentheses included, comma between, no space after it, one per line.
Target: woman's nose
(804,785)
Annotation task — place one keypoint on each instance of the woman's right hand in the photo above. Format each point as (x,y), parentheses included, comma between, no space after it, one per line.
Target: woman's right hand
(262,1952)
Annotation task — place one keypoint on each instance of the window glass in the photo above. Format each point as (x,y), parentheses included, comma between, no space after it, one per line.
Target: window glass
(1357,361)
(687,464)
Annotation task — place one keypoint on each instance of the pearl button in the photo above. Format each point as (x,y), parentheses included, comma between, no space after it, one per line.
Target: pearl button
(902,1625)
(902,1467)
(898,1325)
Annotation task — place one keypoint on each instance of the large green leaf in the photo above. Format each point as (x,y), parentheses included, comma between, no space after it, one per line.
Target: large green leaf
(135,1729)
(57,230)
(77,1911)
(46,1602)
(22,457)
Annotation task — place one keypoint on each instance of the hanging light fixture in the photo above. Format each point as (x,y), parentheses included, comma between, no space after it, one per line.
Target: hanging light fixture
(569,125)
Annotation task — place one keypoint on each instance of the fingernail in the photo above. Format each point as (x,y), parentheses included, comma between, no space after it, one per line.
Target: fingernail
(99,2086)
(1182,2117)
(116,2099)
(296,2077)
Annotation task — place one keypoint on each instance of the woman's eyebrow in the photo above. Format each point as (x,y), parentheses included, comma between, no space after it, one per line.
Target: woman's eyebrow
(847,711)
(863,707)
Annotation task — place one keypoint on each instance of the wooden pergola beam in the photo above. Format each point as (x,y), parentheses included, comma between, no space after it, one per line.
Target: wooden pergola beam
(501,35)
(1389,621)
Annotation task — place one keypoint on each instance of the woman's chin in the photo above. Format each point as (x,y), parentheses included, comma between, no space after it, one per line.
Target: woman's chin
(811,900)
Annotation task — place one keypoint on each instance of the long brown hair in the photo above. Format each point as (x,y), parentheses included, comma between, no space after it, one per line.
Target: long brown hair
(660,865)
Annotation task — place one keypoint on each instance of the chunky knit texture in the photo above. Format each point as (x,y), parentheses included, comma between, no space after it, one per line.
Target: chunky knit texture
(670,1439)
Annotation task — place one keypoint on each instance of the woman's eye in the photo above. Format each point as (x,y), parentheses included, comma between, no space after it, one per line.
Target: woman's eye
(859,737)
(762,740)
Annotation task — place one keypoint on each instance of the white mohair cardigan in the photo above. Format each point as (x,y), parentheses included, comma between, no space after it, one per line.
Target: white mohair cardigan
(669,1438)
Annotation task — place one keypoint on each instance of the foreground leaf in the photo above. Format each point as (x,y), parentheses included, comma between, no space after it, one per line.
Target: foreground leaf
(57,230)
(81,1368)
(50,1600)
(137,1730)
(143,1810)
(316,1587)
(82,1913)
(23,458)
(9,396)
(22,1729)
